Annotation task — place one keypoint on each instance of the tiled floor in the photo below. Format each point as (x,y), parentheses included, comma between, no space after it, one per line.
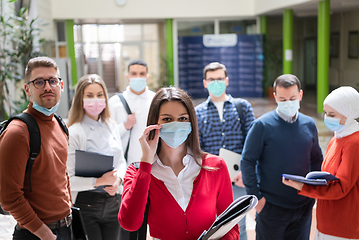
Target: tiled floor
(260,106)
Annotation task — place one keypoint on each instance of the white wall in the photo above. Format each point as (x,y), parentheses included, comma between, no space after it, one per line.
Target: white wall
(344,70)
(44,11)
(262,6)
(150,9)
(159,9)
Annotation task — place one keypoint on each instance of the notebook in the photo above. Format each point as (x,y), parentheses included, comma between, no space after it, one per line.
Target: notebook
(91,164)
(230,217)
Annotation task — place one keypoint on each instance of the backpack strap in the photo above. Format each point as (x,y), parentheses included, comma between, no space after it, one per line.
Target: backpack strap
(62,124)
(35,139)
(141,233)
(124,102)
(35,136)
(238,104)
(128,110)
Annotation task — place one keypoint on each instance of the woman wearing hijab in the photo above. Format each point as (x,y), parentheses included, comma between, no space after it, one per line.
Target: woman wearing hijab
(338,202)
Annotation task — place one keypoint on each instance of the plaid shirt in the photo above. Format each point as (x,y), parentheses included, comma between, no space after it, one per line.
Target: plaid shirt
(228,133)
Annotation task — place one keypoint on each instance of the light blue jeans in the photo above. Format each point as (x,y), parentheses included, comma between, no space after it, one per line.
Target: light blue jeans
(238,192)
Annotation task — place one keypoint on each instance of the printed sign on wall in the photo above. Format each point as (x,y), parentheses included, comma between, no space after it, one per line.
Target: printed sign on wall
(241,54)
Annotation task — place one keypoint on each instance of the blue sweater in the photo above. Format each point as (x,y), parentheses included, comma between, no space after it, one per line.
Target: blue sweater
(273,147)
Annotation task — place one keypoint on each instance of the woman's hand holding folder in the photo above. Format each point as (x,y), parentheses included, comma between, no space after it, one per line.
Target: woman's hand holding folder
(107,179)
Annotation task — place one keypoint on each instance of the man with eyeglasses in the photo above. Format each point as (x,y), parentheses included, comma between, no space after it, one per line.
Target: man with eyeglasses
(220,124)
(44,210)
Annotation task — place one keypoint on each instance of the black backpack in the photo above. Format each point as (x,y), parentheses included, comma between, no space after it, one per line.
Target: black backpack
(35,137)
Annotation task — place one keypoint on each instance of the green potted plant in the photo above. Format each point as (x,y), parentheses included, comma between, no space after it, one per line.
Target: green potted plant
(16,48)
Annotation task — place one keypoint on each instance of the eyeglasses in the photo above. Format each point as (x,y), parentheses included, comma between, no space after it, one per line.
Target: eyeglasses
(40,82)
(218,79)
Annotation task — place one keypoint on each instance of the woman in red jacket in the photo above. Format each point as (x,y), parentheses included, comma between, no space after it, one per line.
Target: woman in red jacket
(186,187)
(337,202)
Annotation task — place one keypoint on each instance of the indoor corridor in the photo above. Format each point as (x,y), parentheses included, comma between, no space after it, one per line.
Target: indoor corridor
(260,106)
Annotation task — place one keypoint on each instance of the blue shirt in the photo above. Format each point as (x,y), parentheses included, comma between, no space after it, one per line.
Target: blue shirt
(228,133)
(273,147)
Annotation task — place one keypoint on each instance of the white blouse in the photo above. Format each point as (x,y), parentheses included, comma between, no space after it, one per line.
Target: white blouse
(180,186)
(93,136)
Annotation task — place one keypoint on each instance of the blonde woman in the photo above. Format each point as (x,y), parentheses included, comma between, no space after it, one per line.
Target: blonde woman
(91,129)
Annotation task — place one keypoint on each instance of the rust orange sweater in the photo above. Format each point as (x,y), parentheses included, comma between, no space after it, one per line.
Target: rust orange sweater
(50,197)
(338,202)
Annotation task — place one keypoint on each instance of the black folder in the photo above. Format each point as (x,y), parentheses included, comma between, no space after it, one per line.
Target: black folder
(230,217)
(91,164)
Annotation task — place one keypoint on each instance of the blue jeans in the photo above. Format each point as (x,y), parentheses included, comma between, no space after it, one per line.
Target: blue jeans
(238,192)
(64,233)
(275,222)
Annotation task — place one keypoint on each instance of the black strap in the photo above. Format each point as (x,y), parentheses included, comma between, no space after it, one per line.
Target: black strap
(35,139)
(124,102)
(141,233)
(62,124)
(238,104)
(129,112)
(35,136)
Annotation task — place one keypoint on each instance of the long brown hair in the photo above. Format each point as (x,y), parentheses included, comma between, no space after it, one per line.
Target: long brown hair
(174,94)
(77,110)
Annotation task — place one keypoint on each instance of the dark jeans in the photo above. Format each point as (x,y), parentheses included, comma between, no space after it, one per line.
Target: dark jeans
(64,233)
(99,212)
(239,192)
(278,223)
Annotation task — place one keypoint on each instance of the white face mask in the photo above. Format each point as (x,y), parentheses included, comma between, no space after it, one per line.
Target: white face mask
(175,133)
(44,110)
(288,108)
(138,84)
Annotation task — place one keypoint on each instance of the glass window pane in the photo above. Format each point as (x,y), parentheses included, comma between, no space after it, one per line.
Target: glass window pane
(195,28)
(150,31)
(77,33)
(108,54)
(80,60)
(89,33)
(237,26)
(61,37)
(132,32)
(128,53)
(62,51)
(151,57)
(110,33)
(91,56)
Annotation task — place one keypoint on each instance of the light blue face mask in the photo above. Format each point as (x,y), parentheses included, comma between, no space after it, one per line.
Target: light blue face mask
(288,108)
(175,133)
(216,87)
(332,124)
(44,110)
(138,84)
